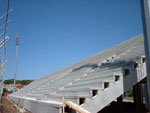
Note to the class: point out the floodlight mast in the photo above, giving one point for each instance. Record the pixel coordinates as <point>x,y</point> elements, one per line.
<point>17,45</point>
<point>145,7</point>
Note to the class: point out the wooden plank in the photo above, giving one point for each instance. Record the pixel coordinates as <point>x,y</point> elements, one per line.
<point>76,107</point>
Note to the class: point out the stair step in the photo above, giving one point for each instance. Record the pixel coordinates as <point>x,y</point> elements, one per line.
<point>73,93</point>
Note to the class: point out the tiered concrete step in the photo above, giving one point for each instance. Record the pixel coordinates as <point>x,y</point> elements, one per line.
<point>94,82</point>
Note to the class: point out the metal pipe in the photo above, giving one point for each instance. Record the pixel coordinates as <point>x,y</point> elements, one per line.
<point>145,8</point>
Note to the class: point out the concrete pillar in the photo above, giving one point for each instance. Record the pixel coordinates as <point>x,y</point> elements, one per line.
<point>137,97</point>
<point>146,96</point>
<point>120,100</point>
<point>141,90</point>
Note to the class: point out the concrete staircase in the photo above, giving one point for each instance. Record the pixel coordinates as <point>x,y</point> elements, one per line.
<point>92,83</point>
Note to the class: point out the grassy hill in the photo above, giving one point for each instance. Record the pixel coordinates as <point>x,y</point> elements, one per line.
<point>23,82</point>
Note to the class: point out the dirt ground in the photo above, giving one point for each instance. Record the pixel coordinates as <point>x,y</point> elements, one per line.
<point>7,107</point>
<point>126,107</point>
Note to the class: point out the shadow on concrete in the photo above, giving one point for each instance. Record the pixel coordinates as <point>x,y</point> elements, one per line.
<point>126,107</point>
<point>85,66</point>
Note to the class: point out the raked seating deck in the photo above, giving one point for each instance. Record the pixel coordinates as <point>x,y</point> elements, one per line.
<point>100,77</point>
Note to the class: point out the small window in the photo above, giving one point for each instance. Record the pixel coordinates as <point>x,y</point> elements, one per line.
<point>143,60</point>
<point>117,77</point>
<point>81,101</point>
<point>94,92</point>
<point>106,85</point>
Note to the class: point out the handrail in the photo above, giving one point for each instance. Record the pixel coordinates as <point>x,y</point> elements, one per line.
<point>75,107</point>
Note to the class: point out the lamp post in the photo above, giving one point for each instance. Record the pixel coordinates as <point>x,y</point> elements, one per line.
<point>17,45</point>
<point>145,6</point>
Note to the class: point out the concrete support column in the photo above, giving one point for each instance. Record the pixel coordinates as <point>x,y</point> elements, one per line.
<point>146,95</point>
<point>141,89</point>
<point>137,97</point>
<point>120,100</point>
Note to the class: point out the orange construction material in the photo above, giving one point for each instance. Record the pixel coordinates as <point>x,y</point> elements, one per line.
<point>5,94</point>
<point>76,107</point>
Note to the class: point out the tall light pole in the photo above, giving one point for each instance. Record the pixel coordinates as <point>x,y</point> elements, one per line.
<point>145,6</point>
<point>17,45</point>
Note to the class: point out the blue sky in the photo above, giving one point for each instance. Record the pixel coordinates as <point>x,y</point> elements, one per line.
<point>56,33</point>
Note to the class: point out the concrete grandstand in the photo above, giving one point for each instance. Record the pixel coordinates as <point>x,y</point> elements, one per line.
<point>90,84</point>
